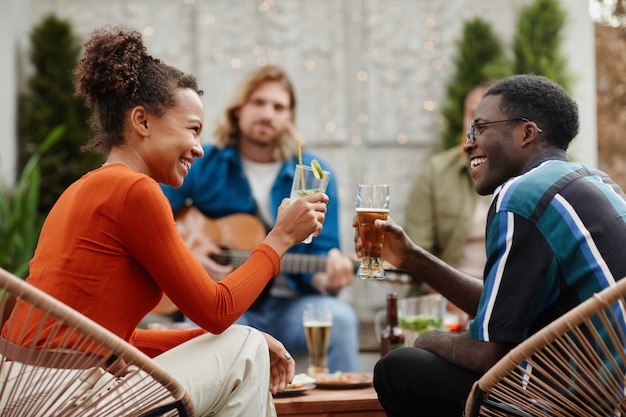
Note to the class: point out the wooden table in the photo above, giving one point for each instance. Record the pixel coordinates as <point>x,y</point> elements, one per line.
<point>361,402</point>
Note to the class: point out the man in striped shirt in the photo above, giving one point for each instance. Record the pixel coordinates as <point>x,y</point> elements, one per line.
<point>556,233</point>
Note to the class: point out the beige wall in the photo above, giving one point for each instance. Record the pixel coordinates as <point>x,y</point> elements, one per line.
<point>8,88</point>
<point>370,75</point>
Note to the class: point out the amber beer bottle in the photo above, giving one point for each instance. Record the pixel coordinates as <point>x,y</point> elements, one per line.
<point>392,336</point>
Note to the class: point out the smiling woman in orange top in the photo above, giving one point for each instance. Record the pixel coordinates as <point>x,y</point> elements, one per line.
<point>110,248</point>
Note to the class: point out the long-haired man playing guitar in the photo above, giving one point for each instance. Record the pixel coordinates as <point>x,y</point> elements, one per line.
<point>250,170</point>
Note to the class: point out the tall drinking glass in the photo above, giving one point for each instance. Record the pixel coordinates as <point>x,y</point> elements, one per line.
<point>372,202</point>
<point>305,182</point>
<point>317,320</point>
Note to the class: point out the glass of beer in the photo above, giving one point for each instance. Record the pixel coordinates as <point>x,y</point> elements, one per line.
<point>317,320</point>
<point>306,182</point>
<point>372,202</point>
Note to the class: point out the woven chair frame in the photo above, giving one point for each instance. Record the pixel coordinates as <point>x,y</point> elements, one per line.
<point>74,366</point>
<point>574,366</point>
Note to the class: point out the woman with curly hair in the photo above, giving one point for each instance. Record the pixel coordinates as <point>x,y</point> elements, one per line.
<point>110,248</point>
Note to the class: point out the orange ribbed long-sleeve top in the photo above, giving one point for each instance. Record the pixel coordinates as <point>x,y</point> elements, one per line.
<point>109,248</point>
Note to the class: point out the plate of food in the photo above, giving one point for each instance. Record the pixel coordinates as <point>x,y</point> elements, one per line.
<point>343,380</point>
<point>300,384</point>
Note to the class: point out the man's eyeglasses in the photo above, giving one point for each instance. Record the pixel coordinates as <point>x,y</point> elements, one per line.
<point>471,136</point>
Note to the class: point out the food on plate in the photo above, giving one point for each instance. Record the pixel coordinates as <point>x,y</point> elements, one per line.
<point>300,380</point>
<point>344,377</point>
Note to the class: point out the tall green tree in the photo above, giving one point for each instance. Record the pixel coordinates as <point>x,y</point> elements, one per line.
<point>538,41</point>
<point>480,57</point>
<point>48,102</point>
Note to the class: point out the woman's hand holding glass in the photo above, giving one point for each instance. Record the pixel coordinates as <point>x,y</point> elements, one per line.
<point>296,221</point>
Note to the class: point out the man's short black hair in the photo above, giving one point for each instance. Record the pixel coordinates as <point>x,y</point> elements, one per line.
<point>543,101</point>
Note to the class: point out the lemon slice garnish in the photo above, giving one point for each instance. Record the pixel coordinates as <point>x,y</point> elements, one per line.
<point>317,169</point>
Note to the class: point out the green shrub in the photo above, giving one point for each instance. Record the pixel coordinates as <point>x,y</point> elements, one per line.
<point>536,49</point>
<point>480,57</point>
<point>20,220</point>
<point>50,101</point>
<point>538,41</point>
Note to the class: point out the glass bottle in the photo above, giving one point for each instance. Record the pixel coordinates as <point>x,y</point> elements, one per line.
<point>392,336</point>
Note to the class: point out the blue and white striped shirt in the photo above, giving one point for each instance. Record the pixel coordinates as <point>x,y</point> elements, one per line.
<point>555,235</point>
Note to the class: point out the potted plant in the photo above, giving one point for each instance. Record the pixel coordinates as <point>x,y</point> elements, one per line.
<point>20,220</point>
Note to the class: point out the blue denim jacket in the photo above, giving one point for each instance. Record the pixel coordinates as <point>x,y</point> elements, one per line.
<point>217,186</point>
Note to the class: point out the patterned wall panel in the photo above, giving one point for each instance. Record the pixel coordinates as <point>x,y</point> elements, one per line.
<point>306,37</point>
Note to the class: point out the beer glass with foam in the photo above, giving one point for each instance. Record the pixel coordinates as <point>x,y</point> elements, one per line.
<point>318,320</point>
<point>372,202</point>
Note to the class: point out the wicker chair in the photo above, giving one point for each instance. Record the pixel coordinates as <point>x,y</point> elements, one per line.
<point>572,367</point>
<point>90,371</point>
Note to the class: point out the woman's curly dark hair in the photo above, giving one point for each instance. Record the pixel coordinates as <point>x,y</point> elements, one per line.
<point>543,101</point>
<point>116,74</point>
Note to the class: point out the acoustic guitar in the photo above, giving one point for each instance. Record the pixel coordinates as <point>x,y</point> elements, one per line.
<point>237,235</point>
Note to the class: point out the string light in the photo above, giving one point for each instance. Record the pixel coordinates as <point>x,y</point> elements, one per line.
<point>407,106</point>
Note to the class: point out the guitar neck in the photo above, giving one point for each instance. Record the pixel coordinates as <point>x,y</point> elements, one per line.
<point>298,263</point>
<point>302,264</point>
<point>291,263</point>
<point>237,234</point>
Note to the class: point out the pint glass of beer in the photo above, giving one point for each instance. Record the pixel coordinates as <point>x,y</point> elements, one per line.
<point>372,202</point>
<point>318,320</point>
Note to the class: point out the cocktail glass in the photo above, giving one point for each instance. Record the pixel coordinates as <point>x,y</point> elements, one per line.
<point>305,182</point>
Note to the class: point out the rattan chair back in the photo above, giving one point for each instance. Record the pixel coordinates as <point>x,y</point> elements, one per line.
<point>573,367</point>
<point>71,366</point>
